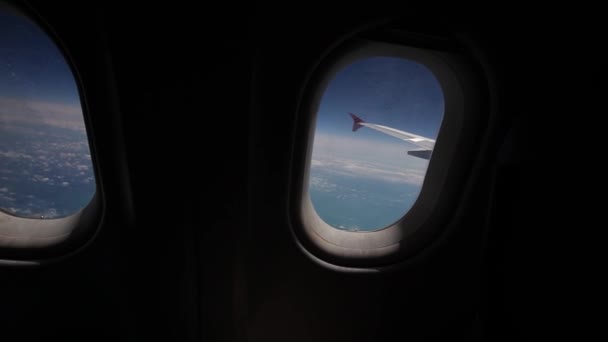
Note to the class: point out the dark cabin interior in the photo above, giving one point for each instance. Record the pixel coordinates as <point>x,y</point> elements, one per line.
<point>192,112</point>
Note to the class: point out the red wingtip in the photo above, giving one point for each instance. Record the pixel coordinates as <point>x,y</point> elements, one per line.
<point>356,122</point>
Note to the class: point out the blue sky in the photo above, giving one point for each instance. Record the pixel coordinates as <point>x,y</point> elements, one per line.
<point>31,66</point>
<point>388,91</point>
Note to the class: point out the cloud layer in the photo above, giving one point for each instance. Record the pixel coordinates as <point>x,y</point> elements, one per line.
<point>18,112</point>
<point>349,156</point>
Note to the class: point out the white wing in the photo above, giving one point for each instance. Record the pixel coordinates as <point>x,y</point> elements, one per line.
<point>426,143</point>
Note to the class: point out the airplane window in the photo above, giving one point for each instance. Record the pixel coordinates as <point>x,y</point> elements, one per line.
<point>376,126</point>
<point>45,161</point>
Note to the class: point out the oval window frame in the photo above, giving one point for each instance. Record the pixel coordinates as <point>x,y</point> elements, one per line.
<point>446,174</point>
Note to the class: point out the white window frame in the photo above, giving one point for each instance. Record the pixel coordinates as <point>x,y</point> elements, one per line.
<point>446,174</point>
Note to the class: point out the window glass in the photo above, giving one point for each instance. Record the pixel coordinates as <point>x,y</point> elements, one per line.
<point>375,131</point>
<point>45,161</point>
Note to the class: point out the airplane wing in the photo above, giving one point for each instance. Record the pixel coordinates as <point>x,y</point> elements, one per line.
<point>425,143</point>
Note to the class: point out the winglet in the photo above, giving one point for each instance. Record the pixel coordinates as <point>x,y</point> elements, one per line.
<point>356,122</point>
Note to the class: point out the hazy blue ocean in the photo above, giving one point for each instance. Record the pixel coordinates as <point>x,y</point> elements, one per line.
<point>359,203</point>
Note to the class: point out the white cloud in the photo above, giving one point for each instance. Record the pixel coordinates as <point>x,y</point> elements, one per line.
<point>346,167</point>
<point>40,178</point>
<point>49,213</point>
<point>15,155</point>
<point>350,156</point>
<point>5,198</point>
<point>321,184</point>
